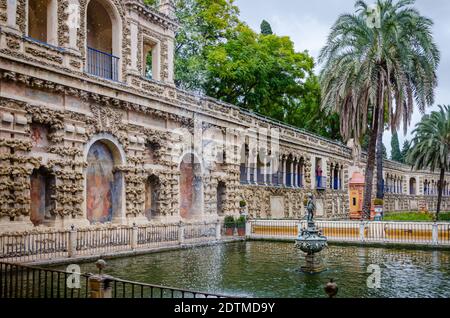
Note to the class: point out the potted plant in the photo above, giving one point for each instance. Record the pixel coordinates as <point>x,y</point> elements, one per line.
<point>229,224</point>
<point>378,209</point>
<point>243,207</point>
<point>240,224</point>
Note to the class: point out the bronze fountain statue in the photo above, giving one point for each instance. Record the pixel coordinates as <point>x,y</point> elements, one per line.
<point>311,241</point>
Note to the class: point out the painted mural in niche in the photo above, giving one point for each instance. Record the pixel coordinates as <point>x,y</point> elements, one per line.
<point>42,192</point>
<point>191,187</point>
<point>104,188</point>
<point>39,137</point>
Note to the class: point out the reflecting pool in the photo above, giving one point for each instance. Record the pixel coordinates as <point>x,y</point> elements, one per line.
<point>263,269</point>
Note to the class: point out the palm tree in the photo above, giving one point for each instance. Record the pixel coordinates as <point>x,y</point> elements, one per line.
<point>368,69</point>
<point>431,146</point>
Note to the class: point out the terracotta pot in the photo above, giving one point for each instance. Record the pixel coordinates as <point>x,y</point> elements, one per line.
<point>241,231</point>
<point>229,231</point>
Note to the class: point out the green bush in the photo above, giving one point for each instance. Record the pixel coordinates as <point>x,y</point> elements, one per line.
<point>378,202</point>
<point>416,217</point>
<point>240,222</point>
<point>242,204</point>
<point>229,222</point>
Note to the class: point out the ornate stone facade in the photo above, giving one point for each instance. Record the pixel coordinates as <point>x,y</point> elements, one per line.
<point>52,112</point>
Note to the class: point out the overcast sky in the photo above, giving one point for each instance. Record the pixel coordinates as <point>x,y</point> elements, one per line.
<point>308,22</point>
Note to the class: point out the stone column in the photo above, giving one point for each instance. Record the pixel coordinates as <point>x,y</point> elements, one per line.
<point>73,23</point>
<point>284,171</point>
<point>294,175</point>
<point>11,11</point>
<point>72,249</point>
<point>134,47</point>
<point>100,286</point>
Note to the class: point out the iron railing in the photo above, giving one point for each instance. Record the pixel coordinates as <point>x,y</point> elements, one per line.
<point>415,233</point>
<point>102,64</point>
<point>20,281</point>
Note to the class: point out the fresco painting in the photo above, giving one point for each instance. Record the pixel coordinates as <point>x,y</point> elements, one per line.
<point>103,191</point>
<point>39,137</point>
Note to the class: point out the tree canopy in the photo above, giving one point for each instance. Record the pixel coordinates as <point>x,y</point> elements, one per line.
<point>266,28</point>
<point>396,154</point>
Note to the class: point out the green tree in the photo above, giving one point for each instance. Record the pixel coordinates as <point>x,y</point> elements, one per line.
<point>405,149</point>
<point>396,154</point>
<point>370,67</point>
<point>266,29</point>
<point>203,24</point>
<point>431,146</point>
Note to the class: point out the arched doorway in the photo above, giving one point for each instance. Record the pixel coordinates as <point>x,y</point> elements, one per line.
<point>152,192</point>
<point>42,193</point>
<point>191,187</point>
<point>103,39</point>
<point>104,184</point>
<point>412,186</point>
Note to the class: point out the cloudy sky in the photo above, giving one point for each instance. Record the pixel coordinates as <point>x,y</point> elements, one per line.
<point>308,22</point>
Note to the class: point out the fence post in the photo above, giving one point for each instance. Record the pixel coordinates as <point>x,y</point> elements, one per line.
<point>248,229</point>
<point>181,233</point>
<point>100,285</point>
<point>435,234</point>
<point>134,237</point>
<point>218,230</point>
<point>362,231</point>
<point>72,248</point>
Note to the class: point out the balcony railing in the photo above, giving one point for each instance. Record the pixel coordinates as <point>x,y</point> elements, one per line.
<point>102,64</point>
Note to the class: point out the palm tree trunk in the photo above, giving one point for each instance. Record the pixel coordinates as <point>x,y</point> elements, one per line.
<point>440,190</point>
<point>380,190</point>
<point>367,203</point>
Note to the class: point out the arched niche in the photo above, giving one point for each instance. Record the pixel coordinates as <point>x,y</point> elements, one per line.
<point>42,192</point>
<point>104,191</point>
<point>103,39</point>
<point>152,197</point>
<point>191,187</point>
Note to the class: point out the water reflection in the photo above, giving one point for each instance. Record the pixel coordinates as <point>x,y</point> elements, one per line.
<point>262,269</point>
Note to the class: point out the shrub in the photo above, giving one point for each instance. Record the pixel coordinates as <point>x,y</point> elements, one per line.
<point>242,204</point>
<point>240,222</point>
<point>378,202</point>
<point>229,222</point>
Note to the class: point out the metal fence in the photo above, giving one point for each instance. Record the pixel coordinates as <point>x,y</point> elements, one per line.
<point>20,281</point>
<point>51,244</point>
<point>419,233</point>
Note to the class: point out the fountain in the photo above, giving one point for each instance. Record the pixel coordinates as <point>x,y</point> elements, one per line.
<point>311,241</point>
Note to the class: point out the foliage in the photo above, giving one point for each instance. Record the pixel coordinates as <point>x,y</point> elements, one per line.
<point>369,69</point>
<point>365,145</point>
<point>431,146</point>
<point>378,202</point>
<point>405,150</point>
<point>229,222</point>
<point>242,204</point>
<point>240,222</point>
<point>415,217</point>
<point>396,154</point>
<point>204,24</point>
<point>266,28</point>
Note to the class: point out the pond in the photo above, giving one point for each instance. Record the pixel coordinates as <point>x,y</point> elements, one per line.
<point>266,269</point>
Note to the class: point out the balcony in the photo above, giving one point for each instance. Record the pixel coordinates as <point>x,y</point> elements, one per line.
<point>102,64</point>
<point>321,183</point>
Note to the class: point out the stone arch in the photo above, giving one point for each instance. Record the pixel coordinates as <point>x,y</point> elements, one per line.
<point>152,197</point>
<point>103,39</point>
<point>42,192</point>
<point>104,189</point>
<point>191,186</point>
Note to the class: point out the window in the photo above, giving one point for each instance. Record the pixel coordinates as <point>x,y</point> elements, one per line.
<point>42,17</point>
<point>151,59</point>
